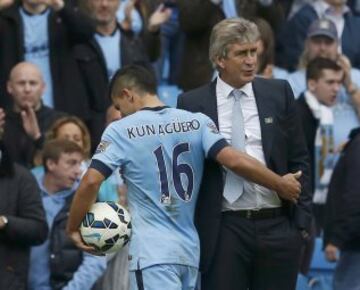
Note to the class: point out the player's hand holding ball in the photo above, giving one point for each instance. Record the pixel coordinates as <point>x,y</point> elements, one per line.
<point>105,229</point>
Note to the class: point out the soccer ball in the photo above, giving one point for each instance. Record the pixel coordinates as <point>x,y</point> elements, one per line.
<point>106,227</point>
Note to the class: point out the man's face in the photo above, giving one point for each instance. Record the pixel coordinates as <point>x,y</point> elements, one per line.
<point>66,170</point>
<point>26,87</point>
<point>239,66</point>
<point>72,132</point>
<point>326,88</point>
<point>104,11</point>
<point>322,46</point>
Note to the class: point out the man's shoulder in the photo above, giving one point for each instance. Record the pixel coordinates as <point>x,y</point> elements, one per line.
<point>188,114</point>
<point>10,12</point>
<point>24,174</point>
<point>259,82</point>
<point>197,92</point>
<point>307,11</point>
<point>351,19</point>
<point>301,104</point>
<point>354,139</point>
<point>301,100</point>
<point>87,50</point>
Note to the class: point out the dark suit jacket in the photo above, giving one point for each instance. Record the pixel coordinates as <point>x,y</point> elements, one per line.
<point>342,209</point>
<point>284,149</point>
<point>310,125</point>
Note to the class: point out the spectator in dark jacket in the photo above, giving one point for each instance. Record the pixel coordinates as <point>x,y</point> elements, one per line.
<point>111,48</point>
<point>45,34</point>
<point>28,119</point>
<point>22,221</point>
<point>324,77</point>
<point>342,231</point>
<point>58,263</point>
<point>197,18</point>
<point>292,37</point>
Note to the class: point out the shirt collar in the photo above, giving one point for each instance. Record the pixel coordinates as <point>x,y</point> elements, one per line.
<point>322,8</point>
<point>60,194</point>
<point>226,89</point>
<point>223,88</point>
<point>115,33</point>
<point>25,12</point>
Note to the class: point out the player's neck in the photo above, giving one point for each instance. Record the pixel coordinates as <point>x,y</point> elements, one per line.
<point>151,101</point>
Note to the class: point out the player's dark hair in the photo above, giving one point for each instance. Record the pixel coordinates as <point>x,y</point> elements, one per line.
<point>315,68</point>
<point>133,77</point>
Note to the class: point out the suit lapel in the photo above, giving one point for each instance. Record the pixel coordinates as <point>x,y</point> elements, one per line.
<point>266,115</point>
<point>209,103</point>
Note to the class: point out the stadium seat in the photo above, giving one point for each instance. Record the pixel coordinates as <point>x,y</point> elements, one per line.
<point>168,94</point>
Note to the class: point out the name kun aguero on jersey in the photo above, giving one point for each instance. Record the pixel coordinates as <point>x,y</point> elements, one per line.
<point>162,129</point>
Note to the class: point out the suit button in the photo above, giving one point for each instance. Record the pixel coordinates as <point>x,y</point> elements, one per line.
<point>52,256</point>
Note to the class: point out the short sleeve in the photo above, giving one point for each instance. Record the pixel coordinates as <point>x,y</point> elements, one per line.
<point>109,154</point>
<point>213,142</point>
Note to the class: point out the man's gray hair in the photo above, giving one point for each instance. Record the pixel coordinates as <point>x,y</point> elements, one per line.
<point>229,31</point>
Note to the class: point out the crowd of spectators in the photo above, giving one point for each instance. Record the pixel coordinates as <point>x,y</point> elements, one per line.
<point>57,58</point>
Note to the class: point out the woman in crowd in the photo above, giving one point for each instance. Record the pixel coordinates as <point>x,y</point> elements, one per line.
<point>73,129</point>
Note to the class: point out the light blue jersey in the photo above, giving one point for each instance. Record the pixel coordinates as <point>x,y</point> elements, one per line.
<point>161,152</point>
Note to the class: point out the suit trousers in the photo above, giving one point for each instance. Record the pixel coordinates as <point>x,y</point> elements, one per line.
<point>255,254</point>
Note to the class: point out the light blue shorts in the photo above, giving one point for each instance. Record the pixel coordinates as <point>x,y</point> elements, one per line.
<point>164,276</point>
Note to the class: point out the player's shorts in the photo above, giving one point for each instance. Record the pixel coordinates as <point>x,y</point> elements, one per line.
<point>164,276</point>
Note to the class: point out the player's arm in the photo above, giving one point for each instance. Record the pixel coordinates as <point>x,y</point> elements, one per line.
<point>248,167</point>
<point>84,198</point>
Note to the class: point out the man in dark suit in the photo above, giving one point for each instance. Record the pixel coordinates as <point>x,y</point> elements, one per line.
<point>250,237</point>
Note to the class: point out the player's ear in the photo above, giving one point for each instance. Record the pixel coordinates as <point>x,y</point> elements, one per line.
<point>127,94</point>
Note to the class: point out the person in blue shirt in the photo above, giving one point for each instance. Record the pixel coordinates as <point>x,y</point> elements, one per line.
<point>161,151</point>
<point>57,263</point>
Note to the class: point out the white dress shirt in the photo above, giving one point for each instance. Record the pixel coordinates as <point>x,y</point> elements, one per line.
<point>254,195</point>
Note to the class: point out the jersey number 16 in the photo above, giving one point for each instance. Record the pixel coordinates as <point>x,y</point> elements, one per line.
<point>177,170</point>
